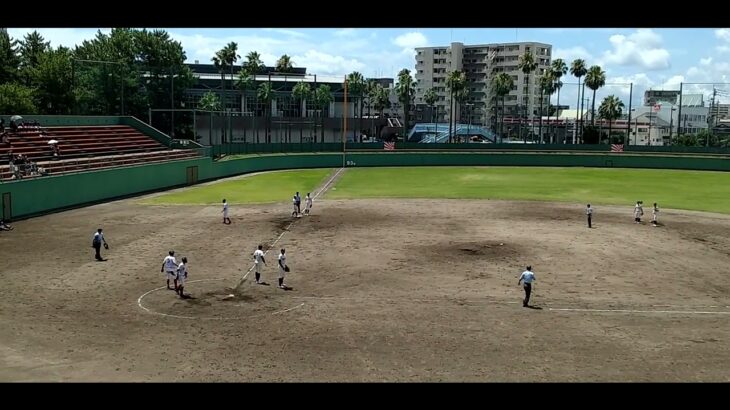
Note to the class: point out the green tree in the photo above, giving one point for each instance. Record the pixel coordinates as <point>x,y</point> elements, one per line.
<point>284,64</point>
<point>224,60</point>
<point>430,97</point>
<point>356,86</point>
<point>502,84</point>
<point>405,89</point>
<point>265,95</point>
<point>559,69</point>
<point>17,99</point>
<point>547,86</point>
<point>302,91</point>
<point>611,109</point>
<point>144,67</point>
<point>210,102</point>
<point>53,81</point>
<point>578,69</point>
<point>455,82</point>
<point>9,60</point>
<point>245,81</point>
<point>527,64</point>
<point>31,49</point>
<point>595,79</point>
<point>322,98</point>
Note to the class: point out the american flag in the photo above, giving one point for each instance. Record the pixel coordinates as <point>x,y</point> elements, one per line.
<point>617,147</point>
<point>389,146</point>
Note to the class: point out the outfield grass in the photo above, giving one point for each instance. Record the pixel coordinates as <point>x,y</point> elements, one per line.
<point>262,188</point>
<point>693,190</point>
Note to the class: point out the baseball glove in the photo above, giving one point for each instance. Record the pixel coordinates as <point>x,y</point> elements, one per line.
<point>106,246</point>
<point>286,269</point>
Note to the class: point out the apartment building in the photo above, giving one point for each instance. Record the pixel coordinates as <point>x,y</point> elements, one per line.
<point>480,63</point>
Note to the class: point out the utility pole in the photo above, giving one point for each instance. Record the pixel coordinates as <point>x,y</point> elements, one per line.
<point>712,115</point>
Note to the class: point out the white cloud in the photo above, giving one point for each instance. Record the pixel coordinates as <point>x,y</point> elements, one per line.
<point>673,82</point>
<point>706,61</point>
<point>318,62</point>
<point>411,40</point>
<point>723,34</point>
<point>345,32</point>
<point>642,48</point>
<point>290,33</point>
<point>722,49</point>
<point>570,54</point>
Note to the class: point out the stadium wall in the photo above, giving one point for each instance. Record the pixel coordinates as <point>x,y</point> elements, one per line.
<point>37,196</point>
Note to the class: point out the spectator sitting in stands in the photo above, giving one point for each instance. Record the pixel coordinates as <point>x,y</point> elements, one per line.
<point>2,124</point>
<point>42,171</point>
<point>5,137</point>
<point>56,151</point>
<point>13,127</point>
<point>11,157</point>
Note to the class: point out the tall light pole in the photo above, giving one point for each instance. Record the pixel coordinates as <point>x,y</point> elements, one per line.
<point>671,122</point>
<point>636,127</point>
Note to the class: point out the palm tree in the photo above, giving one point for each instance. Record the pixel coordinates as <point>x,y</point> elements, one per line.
<point>527,65</point>
<point>231,57</point>
<point>611,109</point>
<point>322,98</point>
<point>253,66</point>
<point>284,64</point>
<point>381,100</point>
<point>265,94</point>
<point>502,84</point>
<point>578,69</point>
<point>595,79</point>
<point>559,69</point>
<point>244,82</point>
<point>455,82</point>
<point>430,98</point>
<point>301,91</point>
<point>547,86</point>
<point>356,87</point>
<point>370,91</point>
<point>220,61</point>
<point>405,89</point>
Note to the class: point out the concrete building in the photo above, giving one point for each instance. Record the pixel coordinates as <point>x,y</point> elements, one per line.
<point>720,112</point>
<point>480,63</point>
<point>663,121</point>
<point>291,120</point>
<point>652,97</point>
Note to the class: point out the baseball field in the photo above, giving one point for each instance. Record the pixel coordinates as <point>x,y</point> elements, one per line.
<point>399,274</point>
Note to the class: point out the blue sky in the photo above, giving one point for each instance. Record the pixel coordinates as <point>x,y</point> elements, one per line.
<point>648,58</point>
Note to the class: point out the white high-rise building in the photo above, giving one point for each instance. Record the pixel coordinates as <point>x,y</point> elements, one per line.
<point>480,63</point>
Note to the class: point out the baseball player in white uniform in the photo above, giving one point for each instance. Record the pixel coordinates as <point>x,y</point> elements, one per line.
<point>307,204</point>
<point>259,261</point>
<point>226,219</point>
<point>283,268</point>
<point>295,213</point>
<point>169,267</point>
<point>182,276</point>
<point>654,215</point>
<point>638,212</point>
